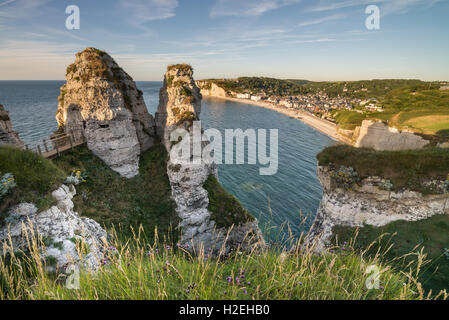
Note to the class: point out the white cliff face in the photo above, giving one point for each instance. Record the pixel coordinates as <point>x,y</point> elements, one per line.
<point>368,204</point>
<point>60,227</point>
<point>101,101</point>
<point>381,137</point>
<point>7,133</point>
<point>180,105</point>
<point>211,89</point>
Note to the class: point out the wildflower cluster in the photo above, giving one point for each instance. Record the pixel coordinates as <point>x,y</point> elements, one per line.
<point>240,281</point>
<point>344,177</point>
<point>7,183</point>
<point>386,185</point>
<point>76,177</point>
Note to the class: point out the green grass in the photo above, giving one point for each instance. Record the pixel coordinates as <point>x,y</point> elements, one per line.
<point>225,209</point>
<point>36,178</point>
<point>349,120</point>
<point>138,269</point>
<point>430,234</point>
<point>111,199</point>
<point>405,169</point>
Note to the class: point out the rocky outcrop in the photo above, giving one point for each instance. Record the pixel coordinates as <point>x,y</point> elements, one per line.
<point>369,202</point>
<point>179,107</point>
<point>62,231</point>
<point>101,101</point>
<point>7,133</point>
<point>379,136</point>
<point>210,89</point>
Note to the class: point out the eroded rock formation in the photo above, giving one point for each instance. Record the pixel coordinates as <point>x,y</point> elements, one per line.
<point>209,88</point>
<point>381,137</point>
<point>368,202</point>
<point>61,228</point>
<point>7,133</point>
<point>179,107</point>
<point>101,101</point>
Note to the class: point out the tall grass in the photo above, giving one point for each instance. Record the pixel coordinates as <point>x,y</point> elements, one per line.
<point>138,269</point>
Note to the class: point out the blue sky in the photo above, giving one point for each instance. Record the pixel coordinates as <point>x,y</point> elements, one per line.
<point>301,39</point>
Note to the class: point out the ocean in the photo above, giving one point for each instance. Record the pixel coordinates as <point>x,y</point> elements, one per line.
<point>284,203</point>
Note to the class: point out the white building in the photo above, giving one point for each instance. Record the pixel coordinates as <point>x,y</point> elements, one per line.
<point>243,96</point>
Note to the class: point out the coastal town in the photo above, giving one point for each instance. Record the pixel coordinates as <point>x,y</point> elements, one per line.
<point>317,104</point>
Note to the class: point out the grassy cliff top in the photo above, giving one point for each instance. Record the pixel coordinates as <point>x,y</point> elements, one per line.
<point>406,169</point>
<point>35,176</point>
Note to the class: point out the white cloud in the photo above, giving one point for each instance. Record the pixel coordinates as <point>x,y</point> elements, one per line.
<point>387,6</point>
<point>247,7</point>
<point>149,10</point>
<point>321,20</point>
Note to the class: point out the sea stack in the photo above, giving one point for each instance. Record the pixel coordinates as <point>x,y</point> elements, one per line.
<point>101,101</point>
<point>7,133</point>
<point>179,108</point>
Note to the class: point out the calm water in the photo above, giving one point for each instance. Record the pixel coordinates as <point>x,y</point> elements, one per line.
<point>278,201</point>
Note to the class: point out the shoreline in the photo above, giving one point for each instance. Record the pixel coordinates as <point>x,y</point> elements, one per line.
<point>326,127</point>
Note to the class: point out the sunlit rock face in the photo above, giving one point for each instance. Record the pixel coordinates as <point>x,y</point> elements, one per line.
<point>7,133</point>
<point>179,108</point>
<point>101,101</point>
<point>368,203</point>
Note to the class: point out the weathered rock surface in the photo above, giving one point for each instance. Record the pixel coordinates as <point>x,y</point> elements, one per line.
<point>368,204</point>
<point>179,106</point>
<point>60,227</point>
<point>211,89</point>
<point>381,137</point>
<point>101,101</point>
<point>7,133</point>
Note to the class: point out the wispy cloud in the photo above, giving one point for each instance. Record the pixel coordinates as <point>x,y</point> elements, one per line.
<point>6,2</point>
<point>321,20</point>
<point>387,6</point>
<point>148,10</point>
<point>247,7</point>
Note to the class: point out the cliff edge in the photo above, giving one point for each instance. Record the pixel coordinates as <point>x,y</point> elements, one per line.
<point>365,187</point>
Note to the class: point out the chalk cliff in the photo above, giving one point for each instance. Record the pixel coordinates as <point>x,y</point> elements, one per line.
<point>101,101</point>
<point>370,202</point>
<point>210,89</point>
<point>61,229</point>
<point>7,133</point>
<point>179,107</point>
<point>381,137</point>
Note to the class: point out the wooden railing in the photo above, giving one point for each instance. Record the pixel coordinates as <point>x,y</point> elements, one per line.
<point>58,144</point>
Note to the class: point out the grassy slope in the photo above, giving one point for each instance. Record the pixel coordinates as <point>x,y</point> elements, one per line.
<point>36,178</point>
<point>141,270</point>
<point>226,209</point>
<point>112,200</point>
<point>430,234</point>
<point>405,169</point>
<point>423,111</point>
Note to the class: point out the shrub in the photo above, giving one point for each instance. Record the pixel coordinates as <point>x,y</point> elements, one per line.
<point>7,183</point>
<point>344,177</point>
